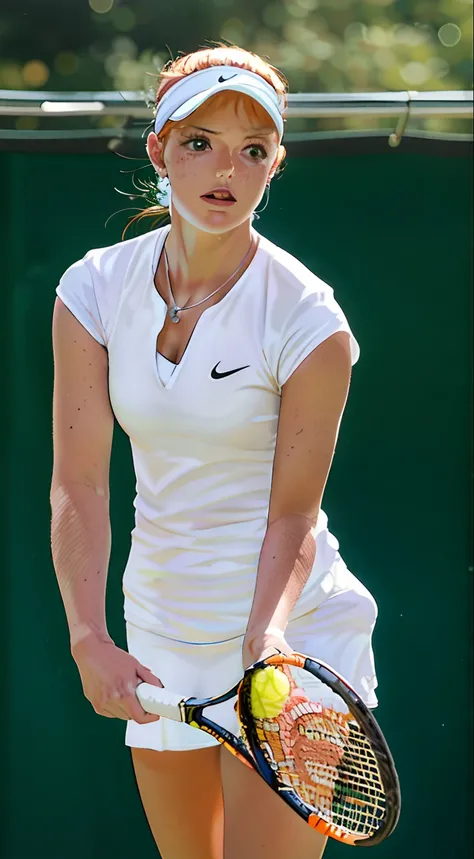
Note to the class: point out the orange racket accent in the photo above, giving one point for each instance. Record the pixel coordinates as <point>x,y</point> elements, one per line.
<point>331,831</point>
<point>228,746</point>
<point>295,659</point>
<point>238,755</point>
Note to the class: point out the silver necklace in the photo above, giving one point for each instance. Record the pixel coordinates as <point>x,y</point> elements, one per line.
<point>174,309</point>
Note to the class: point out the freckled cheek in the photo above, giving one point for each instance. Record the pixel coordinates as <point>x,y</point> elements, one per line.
<point>251,181</point>
<point>185,170</point>
<point>248,179</point>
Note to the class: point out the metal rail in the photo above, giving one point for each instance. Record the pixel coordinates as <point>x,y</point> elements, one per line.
<point>453,104</point>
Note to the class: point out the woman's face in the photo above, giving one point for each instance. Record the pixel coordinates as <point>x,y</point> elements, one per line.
<point>224,148</point>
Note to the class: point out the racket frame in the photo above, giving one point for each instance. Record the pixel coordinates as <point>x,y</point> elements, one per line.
<point>192,713</point>
<point>363,716</point>
<point>248,750</point>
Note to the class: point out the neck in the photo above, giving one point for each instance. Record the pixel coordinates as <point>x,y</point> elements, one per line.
<point>198,260</point>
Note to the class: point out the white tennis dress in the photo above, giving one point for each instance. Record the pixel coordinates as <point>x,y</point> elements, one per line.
<point>203,436</point>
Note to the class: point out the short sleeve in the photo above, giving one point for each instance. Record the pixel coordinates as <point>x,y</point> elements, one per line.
<point>76,290</point>
<point>303,316</point>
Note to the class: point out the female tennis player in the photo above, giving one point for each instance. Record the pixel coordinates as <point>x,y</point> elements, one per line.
<point>227,362</point>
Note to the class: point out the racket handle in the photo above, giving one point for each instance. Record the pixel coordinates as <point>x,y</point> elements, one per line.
<point>160,702</point>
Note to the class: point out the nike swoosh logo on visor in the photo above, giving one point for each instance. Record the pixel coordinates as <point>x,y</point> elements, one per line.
<point>216,375</point>
<point>222,80</point>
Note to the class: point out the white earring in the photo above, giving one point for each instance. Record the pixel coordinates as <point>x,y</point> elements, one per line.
<point>163,191</point>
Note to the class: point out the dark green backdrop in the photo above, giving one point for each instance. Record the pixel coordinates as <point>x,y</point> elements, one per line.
<point>390,230</point>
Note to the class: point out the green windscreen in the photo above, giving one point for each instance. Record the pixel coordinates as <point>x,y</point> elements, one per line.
<point>390,231</point>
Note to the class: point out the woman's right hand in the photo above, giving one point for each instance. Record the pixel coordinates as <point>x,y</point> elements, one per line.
<point>110,677</point>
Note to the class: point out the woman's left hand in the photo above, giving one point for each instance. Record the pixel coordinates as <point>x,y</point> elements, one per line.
<point>259,646</point>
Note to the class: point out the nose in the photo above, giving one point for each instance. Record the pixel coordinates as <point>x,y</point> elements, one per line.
<point>225,166</point>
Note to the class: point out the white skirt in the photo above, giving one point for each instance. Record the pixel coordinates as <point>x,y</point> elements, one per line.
<point>339,632</point>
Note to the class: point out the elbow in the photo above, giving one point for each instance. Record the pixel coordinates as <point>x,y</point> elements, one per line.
<point>66,489</point>
<point>294,520</point>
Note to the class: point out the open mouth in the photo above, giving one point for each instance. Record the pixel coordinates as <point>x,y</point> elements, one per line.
<point>222,195</point>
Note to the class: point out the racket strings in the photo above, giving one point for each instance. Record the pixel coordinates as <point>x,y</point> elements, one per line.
<point>324,756</point>
<point>360,802</point>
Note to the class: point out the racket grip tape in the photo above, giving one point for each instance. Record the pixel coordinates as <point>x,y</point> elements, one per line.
<point>160,702</point>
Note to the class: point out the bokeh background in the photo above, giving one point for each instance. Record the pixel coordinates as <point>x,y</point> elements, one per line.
<point>321,45</point>
<point>391,230</point>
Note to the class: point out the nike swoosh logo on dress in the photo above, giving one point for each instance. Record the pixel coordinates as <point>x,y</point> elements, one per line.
<point>216,375</point>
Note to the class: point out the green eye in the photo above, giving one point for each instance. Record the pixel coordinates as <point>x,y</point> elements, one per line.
<point>257,152</point>
<point>196,144</point>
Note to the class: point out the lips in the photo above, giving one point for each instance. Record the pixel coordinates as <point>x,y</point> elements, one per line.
<point>224,195</point>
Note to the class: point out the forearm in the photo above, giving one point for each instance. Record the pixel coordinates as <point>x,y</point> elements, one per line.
<point>80,544</point>
<point>286,561</point>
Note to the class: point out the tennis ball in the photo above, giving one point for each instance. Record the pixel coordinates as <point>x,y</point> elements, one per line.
<point>268,693</point>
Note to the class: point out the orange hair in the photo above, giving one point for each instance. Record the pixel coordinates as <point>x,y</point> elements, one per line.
<point>222,54</point>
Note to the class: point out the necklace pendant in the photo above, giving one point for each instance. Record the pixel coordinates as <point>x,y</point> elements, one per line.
<point>173,313</point>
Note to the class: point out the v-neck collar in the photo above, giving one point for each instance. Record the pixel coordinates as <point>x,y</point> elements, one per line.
<point>162,307</point>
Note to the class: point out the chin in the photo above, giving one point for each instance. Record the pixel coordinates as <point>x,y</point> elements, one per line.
<point>210,221</point>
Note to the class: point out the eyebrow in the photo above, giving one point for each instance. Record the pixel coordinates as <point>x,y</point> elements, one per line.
<point>263,132</point>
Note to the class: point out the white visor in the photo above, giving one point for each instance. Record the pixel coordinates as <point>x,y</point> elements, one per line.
<point>193,90</point>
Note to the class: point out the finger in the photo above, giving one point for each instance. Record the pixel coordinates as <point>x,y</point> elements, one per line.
<point>279,646</point>
<point>148,718</point>
<point>137,713</point>
<point>271,650</point>
<point>126,705</point>
<point>127,712</point>
<point>147,676</point>
<point>132,705</point>
<point>112,714</point>
<point>112,706</point>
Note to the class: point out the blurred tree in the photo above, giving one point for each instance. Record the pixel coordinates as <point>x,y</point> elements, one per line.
<point>321,45</point>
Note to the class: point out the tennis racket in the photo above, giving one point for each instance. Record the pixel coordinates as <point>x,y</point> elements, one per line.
<point>323,753</point>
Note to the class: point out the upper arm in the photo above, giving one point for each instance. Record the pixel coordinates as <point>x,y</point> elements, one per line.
<point>312,404</point>
<point>82,415</point>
